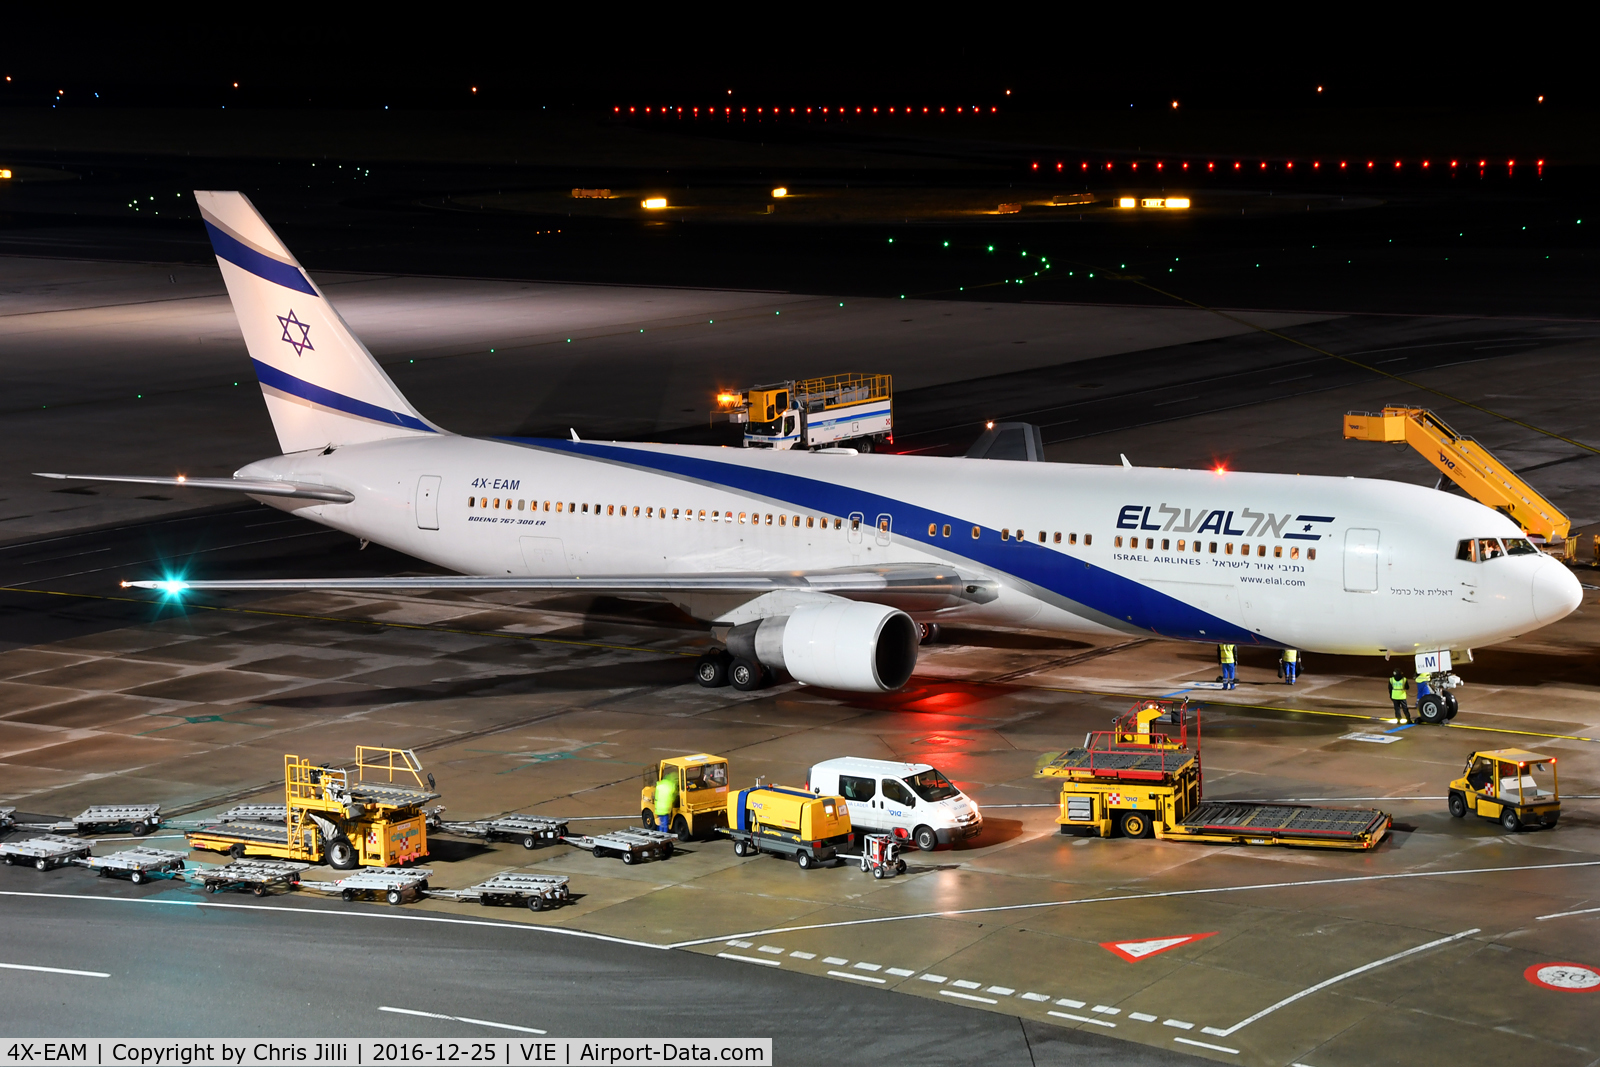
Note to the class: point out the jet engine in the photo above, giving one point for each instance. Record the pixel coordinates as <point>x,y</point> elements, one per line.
<point>845,645</point>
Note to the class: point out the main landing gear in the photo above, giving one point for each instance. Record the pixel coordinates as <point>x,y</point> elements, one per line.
<point>718,668</point>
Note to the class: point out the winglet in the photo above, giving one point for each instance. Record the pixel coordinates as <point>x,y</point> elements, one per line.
<point>573,432</point>
<point>1125,462</point>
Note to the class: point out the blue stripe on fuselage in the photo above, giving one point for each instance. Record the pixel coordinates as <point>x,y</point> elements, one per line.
<point>1075,579</point>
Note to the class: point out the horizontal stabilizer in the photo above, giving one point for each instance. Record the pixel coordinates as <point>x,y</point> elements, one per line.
<point>253,486</point>
<point>889,583</point>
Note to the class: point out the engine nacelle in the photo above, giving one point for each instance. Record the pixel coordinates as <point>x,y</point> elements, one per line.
<point>868,648</point>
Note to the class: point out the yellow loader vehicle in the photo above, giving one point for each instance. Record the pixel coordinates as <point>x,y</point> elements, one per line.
<point>1504,784</point>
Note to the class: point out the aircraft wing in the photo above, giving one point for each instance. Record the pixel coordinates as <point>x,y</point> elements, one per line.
<point>926,587</point>
<point>253,486</point>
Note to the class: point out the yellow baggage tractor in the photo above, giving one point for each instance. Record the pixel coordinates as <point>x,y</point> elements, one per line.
<point>360,817</point>
<point>789,822</point>
<point>1504,784</point>
<point>702,804</point>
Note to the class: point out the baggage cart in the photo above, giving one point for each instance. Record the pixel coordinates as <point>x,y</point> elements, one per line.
<point>254,876</point>
<point>138,865</point>
<point>273,813</point>
<point>397,885</point>
<point>45,851</point>
<point>137,819</point>
<point>537,891</point>
<point>632,845</point>
<point>531,830</point>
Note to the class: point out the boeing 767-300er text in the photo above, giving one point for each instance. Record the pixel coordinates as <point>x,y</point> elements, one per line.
<point>831,565</point>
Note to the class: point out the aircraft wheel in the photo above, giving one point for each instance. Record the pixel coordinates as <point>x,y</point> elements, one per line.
<point>929,632</point>
<point>1450,706</point>
<point>1458,806</point>
<point>746,676</point>
<point>1431,709</point>
<point>712,669</point>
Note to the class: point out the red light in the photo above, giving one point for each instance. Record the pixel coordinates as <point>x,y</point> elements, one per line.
<point>1158,166</point>
<point>1136,166</point>
<point>1290,164</point>
<point>1036,166</point>
<point>1511,162</point>
<point>924,111</point>
<point>1058,166</point>
<point>941,111</point>
<point>1452,162</point>
<point>1086,166</point>
<point>616,109</point>
<point>1219,469</point>
<point>1397,162</point>
<point>1185,164</point>
<point>742,110</point>
<point>1424,164</point>
<point>1263,166</point>
<point>1211,166</point>
<point>1316,164</point>
<point>631,110</point>
<point>1236,166</point>
<point>1480,162</point>
<point>874,111</point>
<point>992,110</point>
<point>1369,164</point>
<point>1541,163</point>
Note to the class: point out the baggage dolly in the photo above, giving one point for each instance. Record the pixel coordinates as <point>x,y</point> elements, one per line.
<point>45,852</point>
<point>880,855</point>
<point>137,864</point>
<point>256,876</point>
<point>531,830</point>
<point>632,845</point>
<point>397,885</point>
<point>537,891</point>
<point>139,819</point>
<point>7,822</point>
<point>270,813</point>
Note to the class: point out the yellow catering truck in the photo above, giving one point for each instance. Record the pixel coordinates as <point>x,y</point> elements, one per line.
<point>1505,784</point>
<point>788,822</point>
<point>701,806</point>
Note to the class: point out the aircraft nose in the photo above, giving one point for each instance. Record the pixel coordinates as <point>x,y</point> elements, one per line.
<point>1556,592</point>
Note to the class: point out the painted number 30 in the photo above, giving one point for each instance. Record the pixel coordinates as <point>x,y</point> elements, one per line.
<point>1568,977</point>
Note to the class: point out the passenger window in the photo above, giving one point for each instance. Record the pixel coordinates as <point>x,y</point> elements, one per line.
<point>1149,542</point>
<point>558,506</point>
<point>796,523</point>
<point>471,500</point>
<point>883,525</point>
<point>855,524</point>
<point>838,524</point>
<point>1165,545</point>
<point>933,529</point>
<point>769,520</point>
<point>547,505</point>
<point>1261,550</point>
<point>895,790</point>
<point>1005,535</point>
<point>1088,539</point>
<point>674,512</point>
<point>1311,553</point>
<point>852,788</point>
<point>522,505</point>
<point>1058,537</point>
<point>571,507</point>
<point>1072,539</point>
<point>636,511</point>
<point>741,518</point>
<point>1228,549</point>
<point>975,532</point>
<point>611,509</point>
<point>811,521</point>
<point>946,529</point>
<point>1118,542</point>
<point>703,515</point>
<point>1180,546</point>
<point>1213,548</point>
<point>1277,551</point>
<point>1294,551</point>
<point>1041,537</point>
<point>781,519</point>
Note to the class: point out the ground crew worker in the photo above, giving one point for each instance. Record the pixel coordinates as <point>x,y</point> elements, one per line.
<point>1290,660</point>
<point>1423,678</point>
<point>1397,693</point>
<point>1227,654</point>
<point>666,797</point>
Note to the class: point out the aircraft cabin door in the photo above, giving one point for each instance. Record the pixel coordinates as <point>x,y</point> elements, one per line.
<point>1361,561</point>
<point>428,502</point>
<point>885,522</point>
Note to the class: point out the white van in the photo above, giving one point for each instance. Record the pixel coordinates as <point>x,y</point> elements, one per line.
<point>912,799</point>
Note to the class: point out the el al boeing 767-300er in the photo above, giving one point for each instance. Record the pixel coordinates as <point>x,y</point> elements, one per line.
<point>832,565</point>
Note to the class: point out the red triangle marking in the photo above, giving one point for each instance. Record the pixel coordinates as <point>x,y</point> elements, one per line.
<point>1134,951</point>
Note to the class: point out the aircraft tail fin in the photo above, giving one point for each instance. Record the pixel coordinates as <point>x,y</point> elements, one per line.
<point>321,385</point>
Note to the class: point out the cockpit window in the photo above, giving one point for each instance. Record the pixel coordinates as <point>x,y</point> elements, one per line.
<point>1483,549</point>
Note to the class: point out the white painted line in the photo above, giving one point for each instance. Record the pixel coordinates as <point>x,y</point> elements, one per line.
<point>1141,1017</point>
<point>1068,1002</point>
<point>1325,983</point>
<point>1035,996</point>
<point>1179,1023</point>
<point>1308,883</point>
<point>803,955</point>
<point>1565,914</point>
<point>54,970</point>
<point>1000,990</point>
<point>1213,1031</point>
<point>837,961</point>
<point>1204,1044</point>
<point>1081,1019</point>
<point>748,959</point>
<point>859,977</point>
<point>900,972</point>
<point>962,983</point>
<point>774,949</point>
<point>1105,1010</point>
<point>938,979</point>
<point>967,996</point>
<point>869,966</point>
<point>740,944</point>
<point>461,1019</point>
<point>390,914</point>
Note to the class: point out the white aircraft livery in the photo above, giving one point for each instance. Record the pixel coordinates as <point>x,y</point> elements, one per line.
<point>832,565</point>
